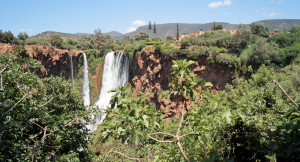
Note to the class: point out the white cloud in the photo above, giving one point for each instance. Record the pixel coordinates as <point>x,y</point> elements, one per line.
<point>21,30</point>
<point>217,4</point>
<point>227,2</point>
<point>131,29</point>
<point>273,14</point>
<point>280,2</point>
<point>261,9</point>
<point>139,23</point>
<point>226,13</point>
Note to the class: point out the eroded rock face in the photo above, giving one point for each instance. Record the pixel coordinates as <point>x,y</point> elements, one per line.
<point>144,64</point>
<point>56,62</point>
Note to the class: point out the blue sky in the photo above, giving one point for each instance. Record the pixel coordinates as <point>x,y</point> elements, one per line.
<point>36,16</point>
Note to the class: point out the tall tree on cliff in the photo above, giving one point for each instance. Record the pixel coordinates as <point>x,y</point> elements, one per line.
<point>149,27</point>
<point>154,30</point>
<point>100,39</point>
<point>214,25</point>
<point>177,36</point>
<point>56,40</point>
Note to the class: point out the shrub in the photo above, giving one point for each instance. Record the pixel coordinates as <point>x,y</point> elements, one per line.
<point>149,43</point>
<point>132,49</point>
<point>170,51</point>
<point>185,42</point>
<point>115,47</point>
<point>284,40</point>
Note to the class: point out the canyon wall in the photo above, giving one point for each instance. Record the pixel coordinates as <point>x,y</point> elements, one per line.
<point>151,73</point>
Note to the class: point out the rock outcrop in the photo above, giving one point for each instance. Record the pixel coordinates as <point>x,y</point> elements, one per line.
<point>152,72</point>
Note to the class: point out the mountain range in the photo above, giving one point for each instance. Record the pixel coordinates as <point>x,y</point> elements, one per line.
<point>163,30</point>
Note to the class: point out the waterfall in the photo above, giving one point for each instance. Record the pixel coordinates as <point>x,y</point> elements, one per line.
<point>72,71</point>
<point>115,74</point>
<point>86,87</point>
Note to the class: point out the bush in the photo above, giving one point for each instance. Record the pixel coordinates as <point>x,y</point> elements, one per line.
<point>130,50</point>
<point>185,42</point>
<point>170,51</point>
<point>149,43</point>
<point>284,40</point>
<point>115,47</point>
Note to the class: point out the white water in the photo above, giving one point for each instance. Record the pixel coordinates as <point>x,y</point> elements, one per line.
<point>115,74</point>
<point>72,71</point>
<point>86,87</point>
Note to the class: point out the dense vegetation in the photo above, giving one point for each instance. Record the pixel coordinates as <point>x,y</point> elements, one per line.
<point>256,118</point>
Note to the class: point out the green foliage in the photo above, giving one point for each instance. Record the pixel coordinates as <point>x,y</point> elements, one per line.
<point>169,51</point>
<point>258,28</point>
<point>169,38</point>
<point>130,50</point>
<point>8,37</point>
<point>56,41</point>
<point>23,36</point>
<point>115,47</point>
<point>185,42</point>
<point>287,55</point>
<point>141,36</point>
<point>284,40</point>
<point>40,120</point>
<point>217,27</point>
<point>242,37</point>
<point>295,29</point>
<point>253,39</point>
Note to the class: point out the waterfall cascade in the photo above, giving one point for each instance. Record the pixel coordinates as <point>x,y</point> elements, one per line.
<point>72,71</point>
<point>115,74</point>
<point>86,86</point>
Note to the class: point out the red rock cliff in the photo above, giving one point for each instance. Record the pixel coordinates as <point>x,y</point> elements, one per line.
<point>145,62</point>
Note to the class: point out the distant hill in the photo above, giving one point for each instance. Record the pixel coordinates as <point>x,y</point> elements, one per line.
<point>115,34</point>
<point>87,34</point>
<point>163,30</point>
<point>281,23</point>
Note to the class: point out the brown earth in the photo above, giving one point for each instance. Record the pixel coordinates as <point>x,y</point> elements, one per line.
<point>145,62</point>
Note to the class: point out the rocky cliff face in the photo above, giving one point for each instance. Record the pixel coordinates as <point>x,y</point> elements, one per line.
<point>56,62</point>
<point>152,72</point>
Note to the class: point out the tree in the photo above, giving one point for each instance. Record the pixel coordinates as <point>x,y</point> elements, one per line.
<point>7,37</point>
<point>39,120</point>
<point>101,40</point>
<point>258,28</point>
<point>295,29</point>
<point>23,36</point>
<point>177,35</point>
<point>56,41</point>
<point>242,37</point>
<point>219,27</point>
<point>214,25</point>
<point>185,42</point>
<point>201,29</point>
<point>137,119</point>
<point>284,40</point>
<point>141,36</point>
<point>170,38</point>
<point>149,27</point>
<point>154,30</point>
